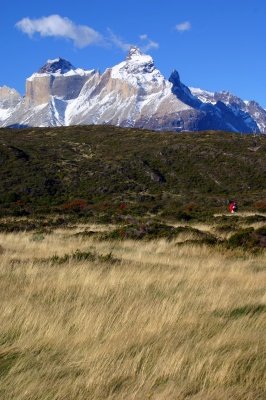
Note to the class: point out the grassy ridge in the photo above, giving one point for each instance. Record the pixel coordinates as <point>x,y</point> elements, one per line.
<point>45,169</point>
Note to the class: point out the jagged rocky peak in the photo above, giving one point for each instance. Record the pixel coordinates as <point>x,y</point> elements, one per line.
<point>135,53</point>
<point>175,78</point>
<point>8,97</point>
<point>182,92</point>
<point>139,61</point>
<point>229,98</point>
<point>58,78</point>
<point>225,96</point>
<point>138,70</point>
<point>6,91</point>
<point>58,65</point>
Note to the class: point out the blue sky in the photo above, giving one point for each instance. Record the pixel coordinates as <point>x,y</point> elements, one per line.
<point>213,44</point>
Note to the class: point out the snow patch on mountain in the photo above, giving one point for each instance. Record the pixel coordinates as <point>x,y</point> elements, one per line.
<point>5,113</point>
<point>250,112</point>
<point>203,95</point>
<point>9,99</point>
<point>138,70</point>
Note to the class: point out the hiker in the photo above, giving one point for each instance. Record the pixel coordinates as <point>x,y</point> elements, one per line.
<point>233,206</point>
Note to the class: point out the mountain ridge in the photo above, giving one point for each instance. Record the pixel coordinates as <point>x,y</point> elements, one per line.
<point>133,93</point>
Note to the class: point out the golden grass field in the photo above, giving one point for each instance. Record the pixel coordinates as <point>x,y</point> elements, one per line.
<point>152,321</point>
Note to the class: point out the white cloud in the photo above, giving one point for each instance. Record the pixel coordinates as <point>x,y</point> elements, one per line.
<point>143,37</point>
<point>60,27</point>
<point>121,44</point>
<point>183,26</point>
<point>81,35</point>
<point>150,44</point>
<point>118,42</point>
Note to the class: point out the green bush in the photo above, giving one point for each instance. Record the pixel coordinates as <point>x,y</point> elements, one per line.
<point>226,228</point>
<point>83,256</point>
<point>183,216</point>
<point>261,231</point>
<point>248,238</point>
<point>155,230</point>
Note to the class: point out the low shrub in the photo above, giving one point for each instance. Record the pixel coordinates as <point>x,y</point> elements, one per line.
<point>260,205</point>
<point>75,205</point>
<point>248,238</point>
<point>85,233</point>
<point>261,231</point>
<point>242,238</point>
<point>37,237</point>
<point>183,216</point>
<point>226,228</point>
<point>155,230</point>
<point>83,256</point>
<point>249,310</point>
<point>250,219</point>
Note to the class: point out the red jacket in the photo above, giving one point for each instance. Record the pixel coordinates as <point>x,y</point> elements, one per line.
<point>232,207</point>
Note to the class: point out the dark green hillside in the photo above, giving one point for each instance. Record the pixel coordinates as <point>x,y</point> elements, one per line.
<point>93,169</point>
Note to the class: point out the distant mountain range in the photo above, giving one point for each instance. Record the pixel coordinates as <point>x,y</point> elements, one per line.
<point>133,93</point>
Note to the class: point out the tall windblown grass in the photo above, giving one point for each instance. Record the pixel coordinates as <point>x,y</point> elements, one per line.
<point>151,320</point>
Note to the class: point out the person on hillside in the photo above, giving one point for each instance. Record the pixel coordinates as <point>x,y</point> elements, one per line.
<point>233,206</point>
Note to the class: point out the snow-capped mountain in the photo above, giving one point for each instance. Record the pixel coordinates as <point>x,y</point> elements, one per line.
<point>47,94</point>
<point>133,93</point>
<point>252,114</point>
<point>9,99</point>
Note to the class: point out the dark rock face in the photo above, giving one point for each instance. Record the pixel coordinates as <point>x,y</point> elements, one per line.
<point>67,87</point>
<point>225,111</point>
<point>57,65</point>
<point>237,118</point>
<point>182,92</point>
<point>226,114</point>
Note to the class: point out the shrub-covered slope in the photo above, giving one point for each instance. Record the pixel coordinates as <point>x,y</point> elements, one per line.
<point>99,168</point>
